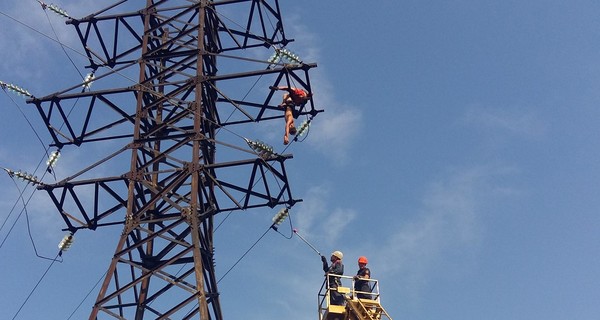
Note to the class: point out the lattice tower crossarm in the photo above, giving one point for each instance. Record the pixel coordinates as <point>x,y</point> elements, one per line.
<point>166,100</point>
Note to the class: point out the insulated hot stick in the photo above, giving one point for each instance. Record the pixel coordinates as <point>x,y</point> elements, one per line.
<point>310,245</point>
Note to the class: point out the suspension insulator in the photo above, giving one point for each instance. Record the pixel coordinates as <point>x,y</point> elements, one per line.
<point>303,128</point>
<point>88,80</point>
<point>280,217</point>
<point>66,242</point>
<point>53,158</point>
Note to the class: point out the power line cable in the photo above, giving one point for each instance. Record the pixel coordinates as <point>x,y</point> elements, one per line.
<point>209,120</point>
<point>28,224</point>
<point>36,285</point>
<point>16,220</point>
<point>36,31</point>
<point>99,60</point>
<point>58,39</point>
<point>21,192</point>
<point>14,223</point>
<point>117,71</point>
<point>26,119</point>
<point>272,226</point>
<point>244,255</point>
<point>63,47</point>
<point>32,127</point>
<point>87,295</point>
<point>238,261</point>
<point>249,249</point>
<point>24,206</point>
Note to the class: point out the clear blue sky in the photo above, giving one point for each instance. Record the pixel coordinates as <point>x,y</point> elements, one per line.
<point>459,151</point>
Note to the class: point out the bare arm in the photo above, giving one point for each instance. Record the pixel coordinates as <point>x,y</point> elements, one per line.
<point>288,89</point>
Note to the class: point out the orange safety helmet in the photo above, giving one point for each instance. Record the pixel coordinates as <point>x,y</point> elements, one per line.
<point>363,259</point>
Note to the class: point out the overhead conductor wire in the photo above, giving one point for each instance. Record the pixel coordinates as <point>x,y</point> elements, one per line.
<point>39,164</point>
<point>227,216</point>
<point>24,210</point>
<point>63,47</point>
<point>262,236</point>
<point>35,132</point>
<point>36,285</point>
<point>28,224</point>
<point>21,192</point>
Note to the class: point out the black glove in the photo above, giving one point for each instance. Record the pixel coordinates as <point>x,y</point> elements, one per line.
<point>323,259</point>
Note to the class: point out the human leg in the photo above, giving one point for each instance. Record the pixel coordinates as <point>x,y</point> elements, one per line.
<point>289,125</point>
<point>286,101</point>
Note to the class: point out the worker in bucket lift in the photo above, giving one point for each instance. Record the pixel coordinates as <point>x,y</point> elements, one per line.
<point>336,268</point>
<point>361,283</point>
<point>292,98</point>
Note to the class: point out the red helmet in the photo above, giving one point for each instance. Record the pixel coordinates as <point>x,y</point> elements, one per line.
<point>363,259</point>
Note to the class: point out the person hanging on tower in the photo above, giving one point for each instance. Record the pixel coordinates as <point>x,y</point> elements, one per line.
<point>291,99</point>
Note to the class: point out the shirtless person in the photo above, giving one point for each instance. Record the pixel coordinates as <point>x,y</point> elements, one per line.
<point>292,98</point>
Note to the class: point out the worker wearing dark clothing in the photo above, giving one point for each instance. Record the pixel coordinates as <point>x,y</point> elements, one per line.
<point>361,284</point>
<point>336,268</point>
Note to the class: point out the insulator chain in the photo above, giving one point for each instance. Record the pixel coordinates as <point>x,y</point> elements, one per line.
<point>284,55</point>
<point>280,217</point>
<point>263,150</point>
<point>88,80</point>
<point>16,89</point>
<point>303,128</point>
<point>23,176</point>
<point>66,242</point>
<point>54,8</point>
<point>53,158</point>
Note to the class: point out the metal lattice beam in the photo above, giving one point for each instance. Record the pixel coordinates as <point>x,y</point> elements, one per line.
<point>160,95</point>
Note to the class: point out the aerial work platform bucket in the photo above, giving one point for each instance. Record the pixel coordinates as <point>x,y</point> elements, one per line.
<point>352,307</point>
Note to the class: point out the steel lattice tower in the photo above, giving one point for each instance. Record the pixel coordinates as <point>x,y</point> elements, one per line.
<point>159,99</point>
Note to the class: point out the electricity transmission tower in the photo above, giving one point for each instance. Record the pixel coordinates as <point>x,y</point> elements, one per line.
<point>167,81</point>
